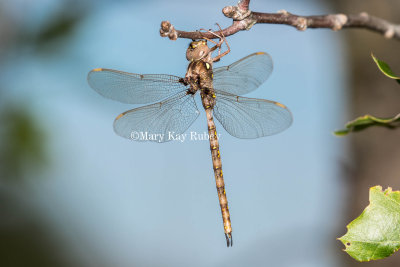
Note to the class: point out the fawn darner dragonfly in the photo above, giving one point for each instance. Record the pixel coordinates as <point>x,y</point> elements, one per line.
<point>219,89</point>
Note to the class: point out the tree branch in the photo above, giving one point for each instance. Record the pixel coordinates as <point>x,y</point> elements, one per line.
<point>244,19</point>
<point>243,4</point>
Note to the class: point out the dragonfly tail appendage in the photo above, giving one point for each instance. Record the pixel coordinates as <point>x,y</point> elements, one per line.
<point>229,240</point>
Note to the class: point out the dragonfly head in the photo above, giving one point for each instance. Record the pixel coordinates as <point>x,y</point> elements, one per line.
<point>197,50</point>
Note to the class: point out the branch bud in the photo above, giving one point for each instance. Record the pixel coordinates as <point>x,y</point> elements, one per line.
<point>168,30</point>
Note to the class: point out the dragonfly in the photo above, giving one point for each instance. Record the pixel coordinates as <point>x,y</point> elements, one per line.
<point>173,109</point>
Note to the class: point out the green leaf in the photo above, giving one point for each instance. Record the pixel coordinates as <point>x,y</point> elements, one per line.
<point>366,121</point>
<point>375,234</point>
<point>385,69</point>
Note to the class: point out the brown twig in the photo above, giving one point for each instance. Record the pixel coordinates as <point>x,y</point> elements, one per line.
<point>244,19</point>
<point>243,5</point>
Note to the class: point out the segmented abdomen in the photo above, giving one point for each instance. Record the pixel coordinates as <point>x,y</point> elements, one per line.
<point>219,178</point>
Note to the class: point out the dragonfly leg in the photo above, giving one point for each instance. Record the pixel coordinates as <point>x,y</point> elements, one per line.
<point>218,45</point>
<point>211,40</point>
<point>222,39</point>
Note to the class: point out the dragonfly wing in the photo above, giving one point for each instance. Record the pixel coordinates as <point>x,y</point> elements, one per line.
<point>134,88</point>
<point>244,75</point>
<point>249,118</point>
<point>158,122</point>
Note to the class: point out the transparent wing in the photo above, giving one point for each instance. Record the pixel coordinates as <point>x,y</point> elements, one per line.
<point>248,118</point>
<point>159,121</point>
<point>134,88</point>
<point>245,75</point>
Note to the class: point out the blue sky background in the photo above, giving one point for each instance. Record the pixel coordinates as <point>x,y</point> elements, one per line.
<point>123,203</point>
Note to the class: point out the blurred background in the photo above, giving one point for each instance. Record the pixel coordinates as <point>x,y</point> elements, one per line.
<point>73,193</point>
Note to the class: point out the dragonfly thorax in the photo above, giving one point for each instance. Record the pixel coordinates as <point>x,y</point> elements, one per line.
<point>197,50</point>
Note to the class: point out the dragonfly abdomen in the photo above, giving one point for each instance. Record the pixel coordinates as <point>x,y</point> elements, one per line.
<point>219,178</point>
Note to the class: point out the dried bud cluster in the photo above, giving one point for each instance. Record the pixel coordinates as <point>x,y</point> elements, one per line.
<point>235,13</point>
<point>167,29</point>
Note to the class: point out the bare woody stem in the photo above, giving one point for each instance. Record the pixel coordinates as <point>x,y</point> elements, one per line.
<point>244,19</point>
<point>243,4</point>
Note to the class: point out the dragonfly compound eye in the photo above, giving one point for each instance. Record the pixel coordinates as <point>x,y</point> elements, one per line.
<point>197,50</point>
